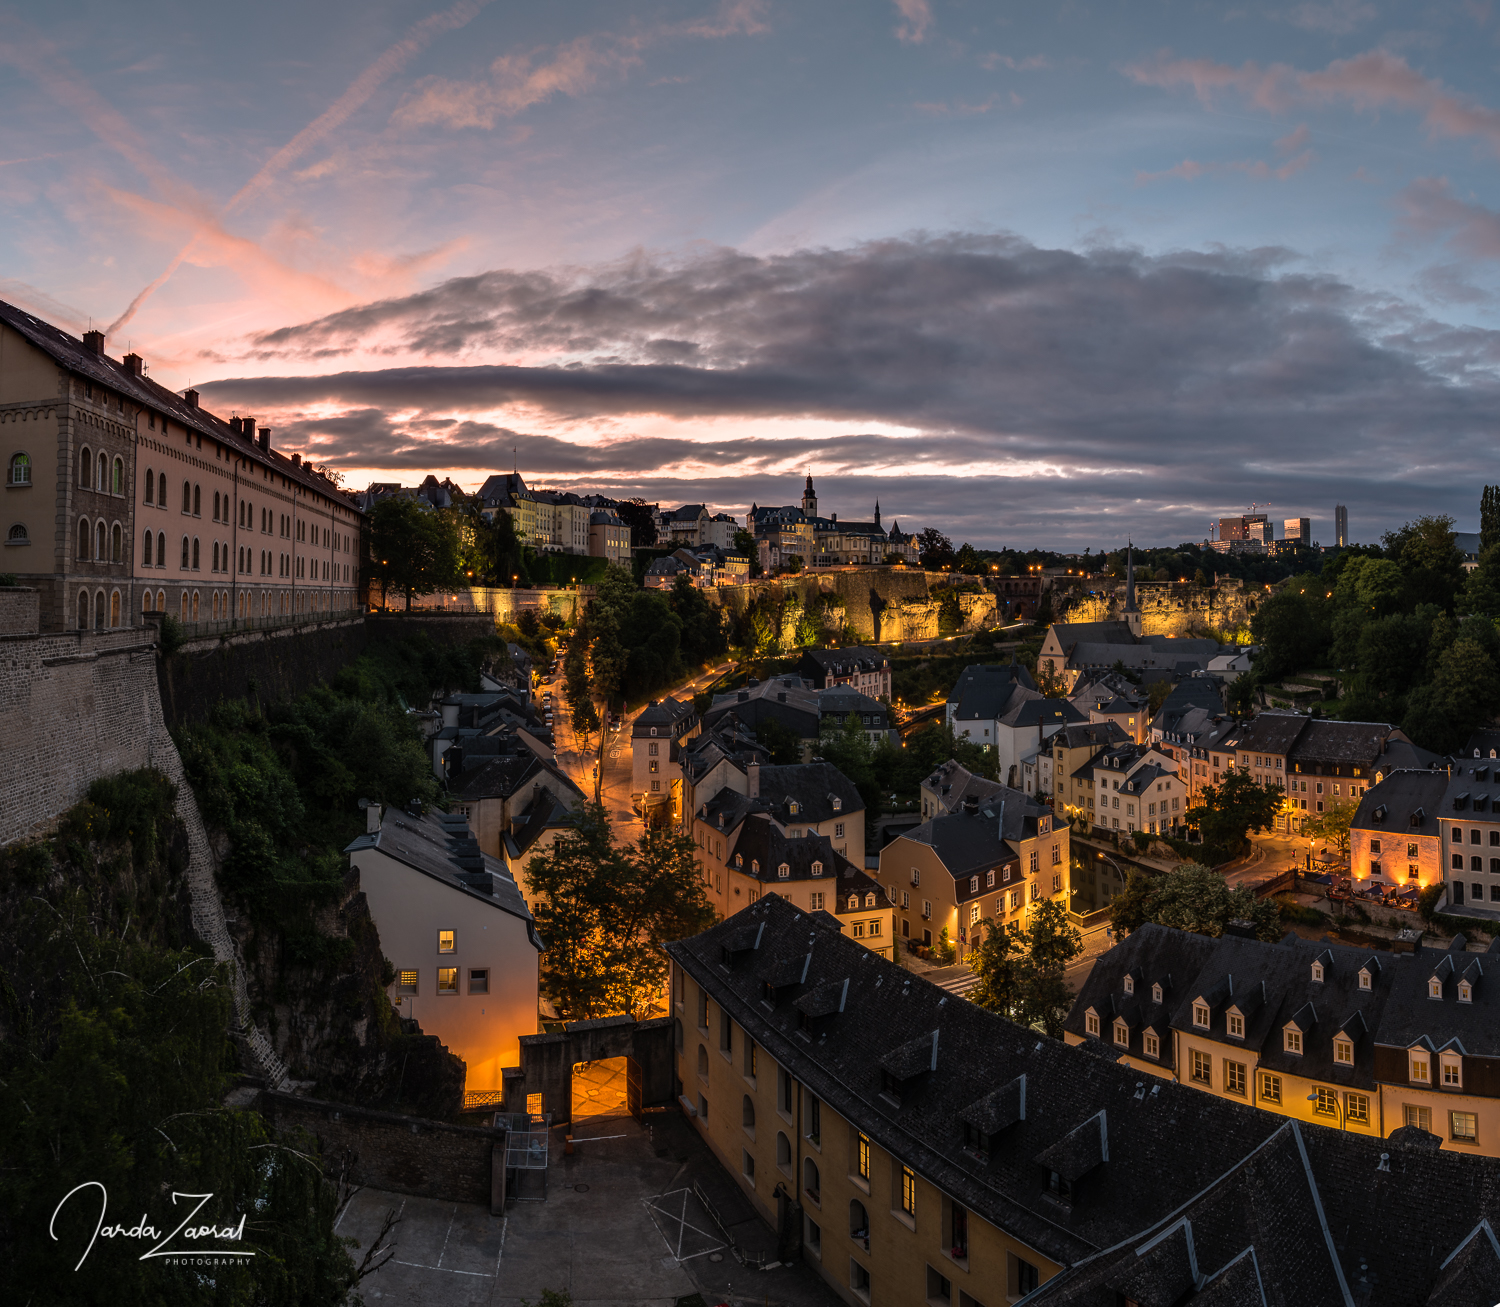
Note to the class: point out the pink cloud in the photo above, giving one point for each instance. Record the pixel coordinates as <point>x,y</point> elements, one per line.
<point>916,18</point>
<point>1430,211</point>
<point>1188,170</point>
<point>1191,169</point>
<point>1370,81</point>
<point>1294,140</point>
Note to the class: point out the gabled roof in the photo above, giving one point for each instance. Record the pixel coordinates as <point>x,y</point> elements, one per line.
<point>1404,804</point>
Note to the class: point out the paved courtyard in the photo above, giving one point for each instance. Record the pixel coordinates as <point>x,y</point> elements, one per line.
<point>621,1227</point>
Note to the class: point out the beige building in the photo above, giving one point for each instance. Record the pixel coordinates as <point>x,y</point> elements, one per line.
<point>656,735</point>
<point>609,538</point>
<point>123,498</point>
<point>457,932</point>
<point>956,870</point>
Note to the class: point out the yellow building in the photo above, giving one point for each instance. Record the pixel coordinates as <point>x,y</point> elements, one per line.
<point>956,869</point>
<point>1367,1042</point>
<point>913,1148</point>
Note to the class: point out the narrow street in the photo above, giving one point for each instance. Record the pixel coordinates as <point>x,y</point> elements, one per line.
<point>578,756</point>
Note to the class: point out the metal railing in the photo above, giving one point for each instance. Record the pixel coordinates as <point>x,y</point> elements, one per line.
<point>274,621</point>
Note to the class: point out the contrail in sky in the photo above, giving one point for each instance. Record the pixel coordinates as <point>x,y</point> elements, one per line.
<point>336,115</point>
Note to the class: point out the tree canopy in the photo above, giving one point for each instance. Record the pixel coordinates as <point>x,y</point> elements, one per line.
<point>1226,813</point>
<point>416,550</point>
<point>1193,898</point>
<point>604,910</point>
<point>1022,968</point>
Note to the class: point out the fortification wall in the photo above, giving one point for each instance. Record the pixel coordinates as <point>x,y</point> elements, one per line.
<point>503,605</point>
<point>73,707</point>
<point>1167,608</point>
<point>874,604</point>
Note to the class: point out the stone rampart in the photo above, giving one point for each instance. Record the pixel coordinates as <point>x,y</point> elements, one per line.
<point>1167,607</point>
<point>504,605</point>
<point>20,610</point>
<point>73,707</point>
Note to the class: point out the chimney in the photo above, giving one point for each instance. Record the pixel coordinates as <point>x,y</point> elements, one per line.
<point>752,773</point>
<point>971,804</point>
<point>190,398</point>
<point>265,439</point>
<point>94,340</point>
<point>132,364</point>
<point>372,816</point>
<point>296,460</point>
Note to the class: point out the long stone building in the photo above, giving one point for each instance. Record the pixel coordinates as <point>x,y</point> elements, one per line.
<point>124,498</point>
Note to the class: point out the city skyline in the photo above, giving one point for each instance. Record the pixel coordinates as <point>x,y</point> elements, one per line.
<point>1035,278</point>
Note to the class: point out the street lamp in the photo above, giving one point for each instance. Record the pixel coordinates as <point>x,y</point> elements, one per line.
<point>1313,1098</point>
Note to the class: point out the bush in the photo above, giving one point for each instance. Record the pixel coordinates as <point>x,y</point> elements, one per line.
<point>169,635</point>
<point>1427,900</point>
<point>944,950</point>
<point>1299,913</point>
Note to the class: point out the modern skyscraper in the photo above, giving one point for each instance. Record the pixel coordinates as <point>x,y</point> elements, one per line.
<point>1298,529</point>
<point>1341,526</point>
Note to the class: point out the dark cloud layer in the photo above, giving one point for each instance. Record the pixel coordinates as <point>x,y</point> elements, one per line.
<point>1151,391</point>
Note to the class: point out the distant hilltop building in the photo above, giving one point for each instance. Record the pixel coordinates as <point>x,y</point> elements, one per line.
<point>796,529</point>
<point>556,521</point>
<point>1341,526</point>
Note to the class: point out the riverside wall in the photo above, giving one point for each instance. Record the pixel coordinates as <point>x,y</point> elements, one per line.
<point>1167,607</point>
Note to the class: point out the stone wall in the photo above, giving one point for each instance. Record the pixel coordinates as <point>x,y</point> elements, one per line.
<point>1167,608</point>
<point>20,610</point>
<point>405,1154</point>
<point>547,1061</point>
<point>865,604</point>
<point>504,605</point>
<point>73,707</point>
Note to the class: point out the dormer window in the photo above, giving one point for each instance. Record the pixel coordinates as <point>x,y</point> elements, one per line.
<point>870,898</point>
<point>1434,988</point>
<point>739,860</point>
<point>973,884</point>
<point>1452,1071</point>
<point>653,730</point>
<point>1366,981</point>
<point>1091,1022</point>
<point>1343,1052</point>
<point>783,871</point>
<point>976,1142</point>
<point>1130,984</point>
<point>1122,1034</point>
<point>853,902</point>
<point>1420,1069</point>
<point>1200,1015</point>
<point>1156,993</point>
<point>838,805</point>
<point>1292,1041</point>
<point>791,807</point>
<point>817,869</point>
<point>1465,992</point>
<point>1317,973</point>
<point>755,866</point>
<point>989,879</point>
<point>1151,1044</point>
<point>1235,1023</point>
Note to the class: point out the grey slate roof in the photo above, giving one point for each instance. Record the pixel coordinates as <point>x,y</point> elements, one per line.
<point>1411,1017</point>
<point>970,842</point>
<point>664,714</point>
<point>1404,804</point>
<point>443,847</point>
<point>1199,1197</point>
<point>985,691</point>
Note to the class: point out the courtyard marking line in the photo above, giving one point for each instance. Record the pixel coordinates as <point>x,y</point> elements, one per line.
<point>446,1270</point>
<point>591,1139</point>
<point>500,1256</point>
<point>682,1226</point>
<point>443,1250</point>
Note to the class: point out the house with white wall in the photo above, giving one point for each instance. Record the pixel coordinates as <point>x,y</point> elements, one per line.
<point>454,926</point>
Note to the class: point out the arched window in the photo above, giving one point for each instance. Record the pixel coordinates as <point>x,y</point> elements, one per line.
<point>216,505</point>
<point>216,606</point>
<point>85,535</point>
<point>197,501</point>
<point>101,542</point>
<point>184,605</point>
<point>20,470</point>
<point>184,553</point>
<point>187,496</point>
<point>83,610</point>
<point>117,481</point>
<point>101,478</point>
<point>195,553</point>
<point>150,486</point>
<point>85,467</point>
<point>161,551</point>
<point>146,602</point>
<point>161,490</point>
<point>195,605</point>
<point>859,1220</point>
<point>116,544</point>
<point>783,1151</point>
<point>99,610</point>
<point>702,1061</point>
<point>17,535</point>
<point>161,601</point>
<point>216,556</point>
<point>783,871</point>
<point>114,608</point>
<point>810,1180</point>
<point>747,1115</point>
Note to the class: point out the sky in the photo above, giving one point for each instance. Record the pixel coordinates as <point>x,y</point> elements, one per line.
<point>1036,275</point>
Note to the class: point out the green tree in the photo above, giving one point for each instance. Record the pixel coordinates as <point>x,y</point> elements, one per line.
<point>1131,909</point>
<point>577,683</point>
<point>1481,592</point>
<point>783,743</point>
<point>950,612</point>
<point>1464,692</point>
<point>1194,898</point>
<point>1023,969</point>
<point>1430,560</point>
<point>995,961</point>
<point>1226,813</point>
<point>847,746</point>
<point>604,911</point>
<point>1332,824</point>
<point>416,551</point>
<point>1489,518</point>
<point>934,548</point>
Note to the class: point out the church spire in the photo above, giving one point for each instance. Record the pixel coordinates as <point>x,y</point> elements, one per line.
<point>809,499</point>
<point>1132,613</point>
<point>877,512</point>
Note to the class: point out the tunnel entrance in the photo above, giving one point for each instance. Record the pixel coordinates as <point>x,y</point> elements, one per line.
<point>610,1086</point>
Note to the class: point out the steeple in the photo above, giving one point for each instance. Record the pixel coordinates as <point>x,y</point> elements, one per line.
<point>1132,613</point>
<point>809,499</point>
<point>877,512</point>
